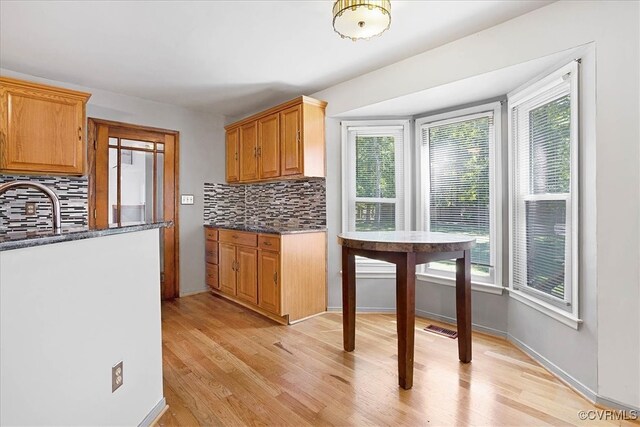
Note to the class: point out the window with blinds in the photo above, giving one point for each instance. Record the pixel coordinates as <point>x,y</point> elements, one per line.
<point>375,172</point>
<point>458,184</point>
<point>543,126</point>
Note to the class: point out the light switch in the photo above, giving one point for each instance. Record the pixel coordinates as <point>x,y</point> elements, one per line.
<point>187,199</point>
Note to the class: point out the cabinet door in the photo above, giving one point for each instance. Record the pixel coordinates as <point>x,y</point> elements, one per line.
<point>211,251</point>
<point>269,146</point>
<point>247,274</point>
<point>232,156</point>
<point>249,151</point>
<point>291,141</point>
<point>212,276</point>
<point>226,268</point>
<point>43,132</point>
<point>269,281</point>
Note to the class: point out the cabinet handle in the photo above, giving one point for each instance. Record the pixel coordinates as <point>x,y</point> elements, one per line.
<point>297,136</point>
<point>275,277</point>
<point>236,155</point>
<point>255,152</point>
<point>79,133</point>
<point>267,243</point>
<point>259,151</point>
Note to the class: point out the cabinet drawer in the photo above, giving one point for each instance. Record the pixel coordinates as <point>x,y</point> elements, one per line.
<point>211,251</point>
<point>212,276</point>
<point>210,234</point>
<point>238,237</point>
<point>269,242</point>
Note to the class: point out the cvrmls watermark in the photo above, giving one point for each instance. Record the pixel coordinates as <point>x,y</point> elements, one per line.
<point>608,414</point>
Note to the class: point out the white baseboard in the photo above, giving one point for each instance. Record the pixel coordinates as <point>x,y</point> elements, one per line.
<point>614,404</point>
<point>451,320</point>
<point>371,310</point>
<point>188,294</point>
<point>561,374</point>
<point>155,412</point>
<point>427,315</point>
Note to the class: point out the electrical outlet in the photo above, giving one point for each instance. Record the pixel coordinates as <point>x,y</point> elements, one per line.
<point>117,377</point>
<point>187,199</point>
<point>30,209</point>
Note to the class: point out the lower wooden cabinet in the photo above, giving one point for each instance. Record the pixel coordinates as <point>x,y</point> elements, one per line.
<point>211,259</point>
<point>227,266</point>
<point>212,276</point>
<point>246,274</point>
<point>268,281</point>
<point>280,276</point>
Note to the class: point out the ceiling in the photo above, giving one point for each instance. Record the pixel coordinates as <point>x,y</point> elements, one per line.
<point>225,57</point>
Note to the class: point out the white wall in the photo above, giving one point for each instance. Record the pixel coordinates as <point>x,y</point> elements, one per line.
<point>201,160</point>
<point>64,324</point>
<point>603,355</point>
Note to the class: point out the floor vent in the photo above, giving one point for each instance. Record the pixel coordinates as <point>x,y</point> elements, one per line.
<point>442,331</point>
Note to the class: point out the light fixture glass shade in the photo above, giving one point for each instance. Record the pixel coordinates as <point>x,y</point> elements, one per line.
<point>361,19</point>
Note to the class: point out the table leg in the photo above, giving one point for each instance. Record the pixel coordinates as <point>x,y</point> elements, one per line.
<point>463,306</point>
<point>406,314</point>
<point>348,299</point>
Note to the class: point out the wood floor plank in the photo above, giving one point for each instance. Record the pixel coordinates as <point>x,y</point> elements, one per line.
<point>226,365</point>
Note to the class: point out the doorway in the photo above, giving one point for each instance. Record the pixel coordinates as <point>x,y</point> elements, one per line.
<point>133,178</point>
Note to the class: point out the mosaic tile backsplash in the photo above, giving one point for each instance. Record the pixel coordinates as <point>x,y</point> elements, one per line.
<point>73,194</point>
<point>300,203</point>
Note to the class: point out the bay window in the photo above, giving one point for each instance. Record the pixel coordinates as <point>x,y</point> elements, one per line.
<point>543,190</point>
<point>375,182</point>
<point>459,183</point>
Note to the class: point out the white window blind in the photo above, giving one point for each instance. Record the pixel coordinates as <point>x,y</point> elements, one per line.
<point>376,184</point>
<point>458,178</point>
<point>544,189</point>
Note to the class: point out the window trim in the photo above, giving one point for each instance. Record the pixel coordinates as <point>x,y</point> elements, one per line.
<point>495,183</point>
<point>517,97</point>
<point>369,268</point>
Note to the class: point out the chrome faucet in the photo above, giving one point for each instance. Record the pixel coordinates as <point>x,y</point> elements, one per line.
<point>55,201</point>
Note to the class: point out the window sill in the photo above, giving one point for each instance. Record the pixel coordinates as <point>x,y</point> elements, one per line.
<point>475,286</point>
<point>562,316</point>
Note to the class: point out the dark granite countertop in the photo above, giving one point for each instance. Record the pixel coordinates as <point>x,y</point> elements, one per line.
<point>24,239</point>
<point>285,229</point>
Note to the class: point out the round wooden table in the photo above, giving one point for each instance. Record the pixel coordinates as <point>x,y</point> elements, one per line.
<point>406,249</point>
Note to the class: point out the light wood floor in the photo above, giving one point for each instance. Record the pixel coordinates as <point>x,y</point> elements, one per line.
<point>224,365</point>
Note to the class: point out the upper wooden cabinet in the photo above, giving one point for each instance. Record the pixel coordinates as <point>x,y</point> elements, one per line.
<point>269,146</point>
<point>286,141</point>
<point>232,155</point>
<point>292,155</point>
<point>42,129</point>
<point>249,151</point>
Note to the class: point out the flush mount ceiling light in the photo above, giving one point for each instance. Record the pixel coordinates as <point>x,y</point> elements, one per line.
<point>361,19</point>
